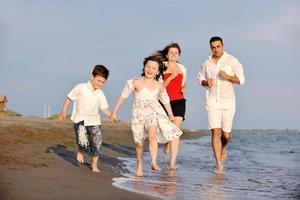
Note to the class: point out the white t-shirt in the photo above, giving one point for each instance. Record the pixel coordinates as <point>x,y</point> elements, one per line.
<point>221,94</point>
<point>87,104</point>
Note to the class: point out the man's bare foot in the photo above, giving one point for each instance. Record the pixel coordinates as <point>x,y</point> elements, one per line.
<point>166,148</point>
<point>220,169</point>
<point>172,167</point>
<point>80,157</point>
<point>224,154</point>
<point>155,167</point>
<point>139,172</point>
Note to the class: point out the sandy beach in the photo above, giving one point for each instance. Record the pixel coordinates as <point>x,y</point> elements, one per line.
<point>37,161</point>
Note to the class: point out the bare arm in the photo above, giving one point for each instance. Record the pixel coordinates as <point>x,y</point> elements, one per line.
<point>107,113</point>
<point>120,101</point>
<point>169,111</point>
<point>168,80</point>
<point>63,114</point>
<point>164,98</point>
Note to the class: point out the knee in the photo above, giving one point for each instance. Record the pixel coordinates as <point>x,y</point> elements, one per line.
<point>139,145</point>
<point>226,138</point>
<point>152,136</point>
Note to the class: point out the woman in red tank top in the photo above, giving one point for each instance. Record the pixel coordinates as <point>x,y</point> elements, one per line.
<point>174,81</point>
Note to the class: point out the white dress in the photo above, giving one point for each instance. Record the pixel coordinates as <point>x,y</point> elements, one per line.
<point>147,111</point>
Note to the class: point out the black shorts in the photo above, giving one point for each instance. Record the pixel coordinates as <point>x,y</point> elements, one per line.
<point>178,108</point>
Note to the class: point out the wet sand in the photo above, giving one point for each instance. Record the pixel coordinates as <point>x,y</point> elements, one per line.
<point>37,161</point>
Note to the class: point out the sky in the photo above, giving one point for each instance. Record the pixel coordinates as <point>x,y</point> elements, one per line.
<point>47,47</point>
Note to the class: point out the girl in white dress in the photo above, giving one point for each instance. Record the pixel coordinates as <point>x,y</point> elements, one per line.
<point>149,120</point>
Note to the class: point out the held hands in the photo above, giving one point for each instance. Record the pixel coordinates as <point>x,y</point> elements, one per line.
<point>113,117</point>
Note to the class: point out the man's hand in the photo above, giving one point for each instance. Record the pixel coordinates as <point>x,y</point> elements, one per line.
<point>223,75</point>
<point>210,82</point>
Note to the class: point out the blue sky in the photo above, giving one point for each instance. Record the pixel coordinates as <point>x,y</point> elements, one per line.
<point>49,46</point>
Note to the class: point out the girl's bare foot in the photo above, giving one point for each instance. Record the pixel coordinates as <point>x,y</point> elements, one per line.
<point>80,157</point>
<point>139,172</point>
<point>155,167</point>
<point>166,148</point>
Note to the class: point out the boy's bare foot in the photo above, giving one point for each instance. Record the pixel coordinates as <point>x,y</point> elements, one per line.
<point>95,169</point>
<point>80,157</point>
<point>155,167</point>
<point>139,172</point>
<point>166,148</point>
<point>224,154</point>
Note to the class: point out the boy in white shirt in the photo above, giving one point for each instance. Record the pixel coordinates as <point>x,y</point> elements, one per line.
<point>88,99</point>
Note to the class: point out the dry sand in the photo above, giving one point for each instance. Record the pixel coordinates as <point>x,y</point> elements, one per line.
<point>37,161</point>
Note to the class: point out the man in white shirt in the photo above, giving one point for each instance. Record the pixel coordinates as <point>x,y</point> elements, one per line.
<point>218,74</point>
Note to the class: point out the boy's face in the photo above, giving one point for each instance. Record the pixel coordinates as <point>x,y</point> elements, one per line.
<point>98,81</point>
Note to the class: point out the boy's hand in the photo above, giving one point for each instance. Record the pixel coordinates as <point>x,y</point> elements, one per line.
<point>62,116</point>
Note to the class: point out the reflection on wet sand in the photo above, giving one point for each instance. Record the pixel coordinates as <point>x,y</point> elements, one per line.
<point>214,189</point>
<point>164,186</point>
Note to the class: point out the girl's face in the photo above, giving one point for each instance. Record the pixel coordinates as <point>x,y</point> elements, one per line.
<point>173,54</point>
<point>151,69</point>
<point>98,82</point>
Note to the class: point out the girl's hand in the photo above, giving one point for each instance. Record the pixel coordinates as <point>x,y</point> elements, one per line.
<point>113,117</point>
<point>172,118</point>
<point>173,75</point>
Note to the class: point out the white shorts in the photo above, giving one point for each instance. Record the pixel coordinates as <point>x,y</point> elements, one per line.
<point>220,118</point>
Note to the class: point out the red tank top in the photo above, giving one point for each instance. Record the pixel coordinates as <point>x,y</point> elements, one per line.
<point>174,88</point>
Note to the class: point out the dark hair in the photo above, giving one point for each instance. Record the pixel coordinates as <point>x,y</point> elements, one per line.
<point>215,38</point>
<point>157,59</point>
<point>163,53</point>
<point>100,70</point>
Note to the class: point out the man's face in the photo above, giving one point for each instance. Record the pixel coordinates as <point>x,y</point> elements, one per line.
<point>217,48</point>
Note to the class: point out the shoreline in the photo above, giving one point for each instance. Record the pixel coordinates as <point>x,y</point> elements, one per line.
<point>38,160</point>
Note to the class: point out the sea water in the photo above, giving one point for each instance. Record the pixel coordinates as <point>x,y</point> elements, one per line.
<point>260,165</point>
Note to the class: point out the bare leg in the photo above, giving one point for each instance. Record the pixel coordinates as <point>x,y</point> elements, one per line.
<point>153,146</point>
<point>174,151</point>
<point>217,147</point>
<point>167,146</point>
<point>175,145</point>
<point>95,164</point>
<point>139,157</point>
<point>80,157</point>
<point>225,138</point>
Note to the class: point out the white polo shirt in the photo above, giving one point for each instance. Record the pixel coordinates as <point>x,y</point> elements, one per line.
<point>221,94</point>
<point>87,104</point>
